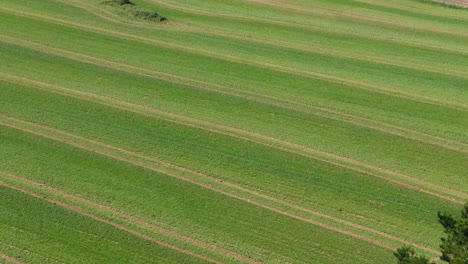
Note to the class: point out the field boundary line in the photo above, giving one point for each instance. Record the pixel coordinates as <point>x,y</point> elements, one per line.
<point>102,220</point>
<point>307,27</point>
<point>132,218</point>
<point>9,259</point>
<point>211,186</point>
<point>311,49</point>
<point>352,84</point>
<point>330,13</point>
<point>267,141</point>
<point>319,111</point>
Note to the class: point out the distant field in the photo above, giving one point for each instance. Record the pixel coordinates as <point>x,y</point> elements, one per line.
<point>237,131</point>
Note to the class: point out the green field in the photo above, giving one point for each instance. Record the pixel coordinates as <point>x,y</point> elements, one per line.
<point>237,131</point>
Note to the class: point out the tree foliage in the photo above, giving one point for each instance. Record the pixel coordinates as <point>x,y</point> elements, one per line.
<point>124,2</point>
<point>454,247</point>
<point>406,255</point>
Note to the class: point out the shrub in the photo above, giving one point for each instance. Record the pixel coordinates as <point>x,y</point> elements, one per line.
<point>131,10</point>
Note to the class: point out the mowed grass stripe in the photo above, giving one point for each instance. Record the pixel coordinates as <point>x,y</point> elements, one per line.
<point>344,96</point>
<point>391,188</point>
<point>265,65</point>
<point>251,96</point>
<point>283,103</point>
<point>204,178</point>
<point>102,220</point>
<point>330,13</point>
<point>141,185</point>
<point>137,154</point>
<point>417,9</point>
<point>293,148</point>
<point>329,41</point>
<point>401,179</point>
<point>268,141</point>
<point>316,10</point>
<point>413,9</point>
<point>138,142</point>
<point>179,8</point>
<point>311,49</point>
<point>172,26</point>
<point>247,200</point>
<point>132,218</point>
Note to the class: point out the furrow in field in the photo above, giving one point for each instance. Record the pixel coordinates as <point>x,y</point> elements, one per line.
<point>312,49</point>
<point>353,84</point>
<point>131,218</point>
<point>251,96</point>
<point>202,181</point>
<point>9,259</point>
<point>400,179</point>
<point>356,17</point>
<point>26,251</point>
<point>307,27</point>
<point>97,218</point>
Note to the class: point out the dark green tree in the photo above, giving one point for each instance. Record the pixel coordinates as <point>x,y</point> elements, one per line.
<point>124,2</point>
<point>454,247</point>
<point>406,255</point>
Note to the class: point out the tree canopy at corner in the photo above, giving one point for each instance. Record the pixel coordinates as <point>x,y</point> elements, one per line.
<point>406,255</point>
<point>454,247</point>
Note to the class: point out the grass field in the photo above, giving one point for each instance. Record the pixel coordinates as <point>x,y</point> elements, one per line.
<point>237,131</point>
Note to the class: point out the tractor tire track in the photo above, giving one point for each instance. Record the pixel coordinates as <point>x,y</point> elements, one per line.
<point>251,96</point>
<point>46,259</point>
<point>102,220</point>
<point>267,141</point>
<point>130,218</point>
<point>217,181</point>
<point>353,84</point>
<point>9,259</point>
